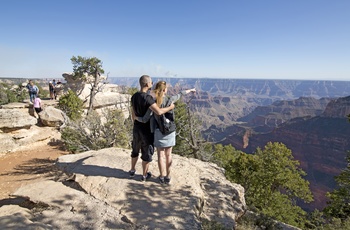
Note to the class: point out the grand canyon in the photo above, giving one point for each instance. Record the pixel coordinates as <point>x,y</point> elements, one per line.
<point>309,117</point>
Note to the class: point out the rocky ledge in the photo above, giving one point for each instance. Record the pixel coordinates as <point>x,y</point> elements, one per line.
<point>93,191</point>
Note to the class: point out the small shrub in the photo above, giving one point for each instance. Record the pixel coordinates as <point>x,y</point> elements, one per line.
<point>96,132</point>
<point>9,94</point>
<point>212,225</point>
<point>72,105</point>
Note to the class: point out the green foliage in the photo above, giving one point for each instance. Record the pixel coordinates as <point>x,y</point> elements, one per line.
<point>3,95</point>
<point>315,220</point>
<point>282,172</point>
<point>271,178</point>
<point>72,105</point>
<point>84,65</point>
<point>132,90</point>
<point>225,154</point>
<point>337,224</point>
<point>73,139</point>
<point>11,96</point>
<point>337,211</point>
<point>253,221</point>
<point>212,225</point>
<point>97,132</point>
<point>339,199</point>
<point>11,93</point>
<point>244,170</point>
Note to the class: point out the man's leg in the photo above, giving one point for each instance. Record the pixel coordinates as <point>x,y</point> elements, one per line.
<point>145,166</point>
<point>147,153</point>
<point>135,151</point>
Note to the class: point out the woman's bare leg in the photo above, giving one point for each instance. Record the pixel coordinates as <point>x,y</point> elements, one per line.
<point>161,161</point>
<point>169,160</point>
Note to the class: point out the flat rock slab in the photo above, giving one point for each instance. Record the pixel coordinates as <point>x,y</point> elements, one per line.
<point>98,193</point>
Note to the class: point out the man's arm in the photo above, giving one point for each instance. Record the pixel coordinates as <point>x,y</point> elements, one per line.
<point>159,111</point>
<point>133,116</point>
<point>146,117</point>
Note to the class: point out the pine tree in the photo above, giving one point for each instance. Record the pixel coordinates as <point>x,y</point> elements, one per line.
<point>189,140</point>
<point>339,203</point>
<point>83,68</point>
<point>272,180</point>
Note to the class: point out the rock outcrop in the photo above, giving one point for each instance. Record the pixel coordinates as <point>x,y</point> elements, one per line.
<point>97,193</point>
<point>52,117</point>
<point>21,129</point>
<point>19,122</point>
<point>14,119</point>
<point>108,97</point>
<point>23,139</point>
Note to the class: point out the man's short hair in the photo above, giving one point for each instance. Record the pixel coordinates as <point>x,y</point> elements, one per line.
<point>144,79</point>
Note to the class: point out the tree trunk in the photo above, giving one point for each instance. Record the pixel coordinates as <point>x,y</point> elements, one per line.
<point>93,91</point>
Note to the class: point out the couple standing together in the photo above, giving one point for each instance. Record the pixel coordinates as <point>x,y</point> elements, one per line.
<point>146,134</point>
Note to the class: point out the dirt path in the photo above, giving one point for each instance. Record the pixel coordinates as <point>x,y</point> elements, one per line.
<point>24,167</point>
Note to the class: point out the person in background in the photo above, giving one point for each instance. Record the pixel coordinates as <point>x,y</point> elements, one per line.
<point>163,142</point>
<point>142,136</point>
<point>52,90</point>
<point>58,88</point>
<point>33,90</point>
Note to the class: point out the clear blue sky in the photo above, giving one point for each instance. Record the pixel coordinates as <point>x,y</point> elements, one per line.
<point>260,39</point>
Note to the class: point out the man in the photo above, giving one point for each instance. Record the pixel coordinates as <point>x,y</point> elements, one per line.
<point>142,136</point>
<point>54,89</point>
<point>33,90</point>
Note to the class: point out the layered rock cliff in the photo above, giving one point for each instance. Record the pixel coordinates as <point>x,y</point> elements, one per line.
<point>271,116</point>
<point>221,102</point>
<point>320,143</point>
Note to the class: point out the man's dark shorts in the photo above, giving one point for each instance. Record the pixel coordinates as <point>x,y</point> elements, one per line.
<point>142,140</point>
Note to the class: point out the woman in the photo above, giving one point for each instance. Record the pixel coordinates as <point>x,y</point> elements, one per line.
<point>33,90</point>
<point>163,143</point>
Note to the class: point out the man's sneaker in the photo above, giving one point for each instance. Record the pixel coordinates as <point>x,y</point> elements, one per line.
<point>132,173</point>
<point>167,180</point>
<point>161,180</point>
<point>144,178</point>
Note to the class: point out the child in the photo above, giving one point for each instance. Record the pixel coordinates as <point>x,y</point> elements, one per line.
<point>37,105</point>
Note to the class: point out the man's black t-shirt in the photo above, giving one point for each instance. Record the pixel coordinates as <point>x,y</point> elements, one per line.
<point>140,102</point>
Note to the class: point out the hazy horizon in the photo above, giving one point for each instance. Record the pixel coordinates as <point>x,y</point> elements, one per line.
<point>211,78</point>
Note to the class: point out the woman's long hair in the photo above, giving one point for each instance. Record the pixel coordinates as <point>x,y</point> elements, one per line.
<point>159,92</point>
